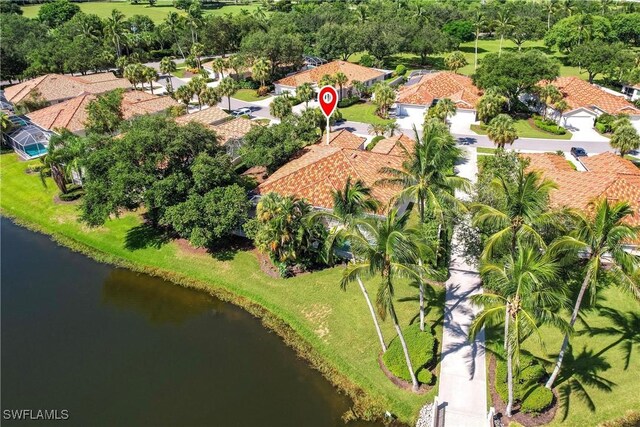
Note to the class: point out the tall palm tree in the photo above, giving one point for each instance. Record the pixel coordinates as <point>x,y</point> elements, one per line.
<point>455,60</point>
<point>625,138</point>
<point>551,6</point>
<point>502,131</point>
<point>210,96</point>
<point>174,22</point>
<point>600,239</point>
<point>384,96</point>
<point>350,205</point>
<point>167,67</point>
<point>525,211</point>
<point>194,19</point>
<point>184,94</point>
<point>260,70</point>
<point>198,86</point>
<point>228,87</point>
<point>150,75</point>
<point>527,297</point>
<point>561,106</point>
<point>326,80</point>
<point>549,94</point>
<point>305,93</point>
<point>340,79</point>
<point>386,248</point>
<point>426,175</point>
<point>114,28</point>
<point>502,25</point>
<point>443,109</point>
<point>478,23</point>
<point>219,65</point>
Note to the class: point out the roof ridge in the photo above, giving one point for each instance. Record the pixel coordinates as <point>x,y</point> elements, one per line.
<point>311,147</point>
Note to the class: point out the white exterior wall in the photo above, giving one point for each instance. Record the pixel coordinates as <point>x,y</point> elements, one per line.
<point>414,113</point>
<point>280,89</point>
<point>463,119</point>
<point>635,121</point>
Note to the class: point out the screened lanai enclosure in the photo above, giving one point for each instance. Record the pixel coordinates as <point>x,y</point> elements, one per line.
<point>27,139</point>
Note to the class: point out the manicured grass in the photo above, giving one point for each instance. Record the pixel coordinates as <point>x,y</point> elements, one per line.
<point>157,13</point>
<point>336,323</point>
<point>483,150</point>
<point>248,95</point>
<point>364,113</point>
<point>525,130</point>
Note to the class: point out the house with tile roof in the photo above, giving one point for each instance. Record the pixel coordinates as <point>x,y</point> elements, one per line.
<point>354,72</point>
<point>319,169</point>
<point>586,102</point>
<point>415,99</point>
<point>230,130</point>
<point>632,92</point>
<point>607,176</point>
<point>72,114</point>
<point>55,88</point>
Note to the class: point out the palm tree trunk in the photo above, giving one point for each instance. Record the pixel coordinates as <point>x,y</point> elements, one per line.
<point>509,380</point>
<point>506,324</point>
<point>475,60</point>
<point>414,380</point>
<point>565,342</point>
<point>179,48</point>
<point>373,314</point>
<point>500,50</point>
<point>229,102</point>
<point>421,293</point>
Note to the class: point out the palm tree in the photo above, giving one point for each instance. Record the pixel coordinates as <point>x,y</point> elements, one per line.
<point>198,85</point>
<point>197,50</point>
<point>502,131</point>
<point>134,73</point>
<point>443,109</point>
<point>600,239</point>
<point>114,28</point>
<point>551,6</point>
<point>625,138</point>
<point>490,105</point>
<point>349,205</point>
<point>385,96</point>
<point>391,128</point>
<point>340,79</point>
<point>387,248</point>
<point>525,211</point>
<point>561,106</point>
<point>426,175</point>
<point>260,70</point>
<point>6,125</point>
<point>305,93</point>
<point>167,67</point>
<point>228,87</point>
<point>174,23</point>
<point>194,18</point>
<point>526,298</point>
<point>184,94</point>
<point>326,80</point>
<point>210,96</point>
<point>549,94</point>
<point>280,107</point>
<point>502,26</point>
<point>150,75</point>
<point>237,63</point>
<point>219,65</point>
<point>455,60</point>
<point>478,23</point>
<point>378,129</point>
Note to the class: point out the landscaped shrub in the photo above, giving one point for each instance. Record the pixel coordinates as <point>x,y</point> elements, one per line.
<point>602,128</point>
<point>549,126</point>
<point>604,123</point>
<point>420,345</point>
<point>401,70</point>
<point>348,102</point>
<point>71,194</point>
<point>539,399</point>
<point>263,91</point>
<point>374,141</point>
<point>367,60</point>
<point>629,419</point>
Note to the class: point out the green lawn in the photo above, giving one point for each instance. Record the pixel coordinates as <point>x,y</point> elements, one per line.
<point>525,130</point>
<point>157,13</point>
<point>336,324</point>
<point>248,95</point>
<point>363,112</point>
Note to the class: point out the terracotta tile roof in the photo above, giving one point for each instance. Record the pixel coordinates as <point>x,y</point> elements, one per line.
<point>234,129</point>
<point>609,179</point>
<point>57,87</point>
<point>609,162</point>
<point>581,94</point>
<point>313,75</point>
<point>393,145</point>
<point>209,116</point>
<point>72,114</point>
<point>319,169</point>
<point>443,84</point>
<point>343,138</point>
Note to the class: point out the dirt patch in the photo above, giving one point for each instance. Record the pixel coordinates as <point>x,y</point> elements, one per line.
<point>317,314</point>
<point>266,265</point>
<point>526,420</point>
<point>399,382</point>
<point>185,246</point>
<point>58,201</point>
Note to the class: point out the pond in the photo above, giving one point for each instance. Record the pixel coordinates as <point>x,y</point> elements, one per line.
<point>113,347</point>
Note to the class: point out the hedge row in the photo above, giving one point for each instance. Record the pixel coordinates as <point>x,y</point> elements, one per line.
<point>420,345</point>
<point>348,102</point>
<point>549,126</point>
<point>527,387</point>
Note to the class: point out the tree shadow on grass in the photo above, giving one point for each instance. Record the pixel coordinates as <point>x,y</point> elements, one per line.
<point>226,250</point>
<point>145,236</point>
<point>625,327</point>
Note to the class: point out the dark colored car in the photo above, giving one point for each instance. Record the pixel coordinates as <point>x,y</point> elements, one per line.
<point>578,152</point>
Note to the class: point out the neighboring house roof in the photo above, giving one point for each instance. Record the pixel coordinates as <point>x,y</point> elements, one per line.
<point>320,169</point>
<point>313,75</point>
<point>209,116</point>
<point>582,94</point>
<point>234,129</point>
<point>616,180</point>
<point>444,84</point>
<point>55,87</point>
<point>393,145</point>
<point>345,139</point>
<point>72,114</point>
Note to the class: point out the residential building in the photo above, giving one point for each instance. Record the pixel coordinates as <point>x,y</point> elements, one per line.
<point>586,102</point>
<point>414,100</point>
<point>318,170</point>
<point>72,114</point>
<point>632,92</point>
<point>55,88</point>
<point>27,139</point>
<point>354,72</point>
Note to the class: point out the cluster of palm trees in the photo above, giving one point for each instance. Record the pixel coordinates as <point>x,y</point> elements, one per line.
<point>527,249</point>
<point>138,73</point>
<point>63,159</point>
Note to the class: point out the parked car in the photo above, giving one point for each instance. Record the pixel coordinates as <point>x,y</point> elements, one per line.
<point>241,112</point>
<point>578,152</point>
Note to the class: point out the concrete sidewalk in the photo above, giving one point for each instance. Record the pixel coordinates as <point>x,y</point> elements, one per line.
<point>463,383</point>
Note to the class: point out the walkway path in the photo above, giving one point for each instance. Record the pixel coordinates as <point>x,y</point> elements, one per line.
<point>463,386</point>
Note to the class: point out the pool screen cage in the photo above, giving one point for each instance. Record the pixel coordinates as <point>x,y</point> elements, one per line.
<point>28,140</point>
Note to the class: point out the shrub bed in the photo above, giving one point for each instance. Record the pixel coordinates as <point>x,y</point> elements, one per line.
<point>73,193</point>
<point>549,126</point>
<point>348,102</point>
<point>420,345</point>
<point>527,387</point>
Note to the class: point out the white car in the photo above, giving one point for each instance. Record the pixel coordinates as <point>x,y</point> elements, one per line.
<point>241,112</point>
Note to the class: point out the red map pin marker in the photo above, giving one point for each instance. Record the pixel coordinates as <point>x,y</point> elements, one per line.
<point>328,99</point>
